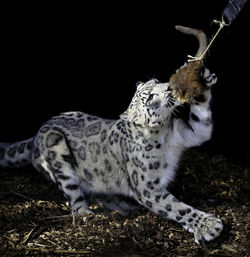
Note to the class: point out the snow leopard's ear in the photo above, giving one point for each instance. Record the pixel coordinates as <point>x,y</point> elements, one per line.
<point>134,114</point>
<point>139,84</point>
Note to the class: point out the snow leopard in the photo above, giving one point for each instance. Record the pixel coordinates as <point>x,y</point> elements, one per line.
<point>135,156</point>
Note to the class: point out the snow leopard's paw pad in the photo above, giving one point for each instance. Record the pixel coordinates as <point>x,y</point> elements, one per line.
<point>209,227</point>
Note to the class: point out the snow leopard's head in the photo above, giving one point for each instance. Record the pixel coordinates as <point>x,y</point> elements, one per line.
<point>151,105</point>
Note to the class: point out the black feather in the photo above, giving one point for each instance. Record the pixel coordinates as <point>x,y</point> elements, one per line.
<point>232,9</point>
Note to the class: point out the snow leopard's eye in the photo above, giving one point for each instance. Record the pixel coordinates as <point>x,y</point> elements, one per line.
<point>151,96</point>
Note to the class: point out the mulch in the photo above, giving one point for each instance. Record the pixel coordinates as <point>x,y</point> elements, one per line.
<point>35,219</point>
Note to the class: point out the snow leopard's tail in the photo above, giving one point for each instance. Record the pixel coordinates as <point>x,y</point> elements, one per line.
<point>16,154</point>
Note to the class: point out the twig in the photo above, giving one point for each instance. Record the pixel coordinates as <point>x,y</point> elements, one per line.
<point>10,242</point>
<point>176,230</point>
<point>28,235</point>
<point>51,242</point>
<point>50,250</point>
<point>136,242</point>
<point>40,245</point>
<point>57,217</point>
<point>23,196</point>
<point>228,248</point>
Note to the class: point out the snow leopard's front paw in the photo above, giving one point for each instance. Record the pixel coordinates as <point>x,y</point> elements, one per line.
<point>84,212</point>
<point>209,78</point>
<point>208,227</point>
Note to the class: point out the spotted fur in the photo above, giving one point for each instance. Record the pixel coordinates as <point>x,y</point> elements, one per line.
<point>135,156</point>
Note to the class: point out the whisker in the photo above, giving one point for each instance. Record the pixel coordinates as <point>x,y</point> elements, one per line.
<point>171,109</point>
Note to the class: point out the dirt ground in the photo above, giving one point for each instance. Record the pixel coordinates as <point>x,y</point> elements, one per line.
<point>35,219</point>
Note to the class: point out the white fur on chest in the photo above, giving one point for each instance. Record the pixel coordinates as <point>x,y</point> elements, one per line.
<point>171,154</point>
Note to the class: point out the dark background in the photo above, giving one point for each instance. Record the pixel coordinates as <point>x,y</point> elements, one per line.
<point>88,57</point>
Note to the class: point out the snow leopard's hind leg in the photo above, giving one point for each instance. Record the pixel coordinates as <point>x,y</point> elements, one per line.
<point>53,156</point>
